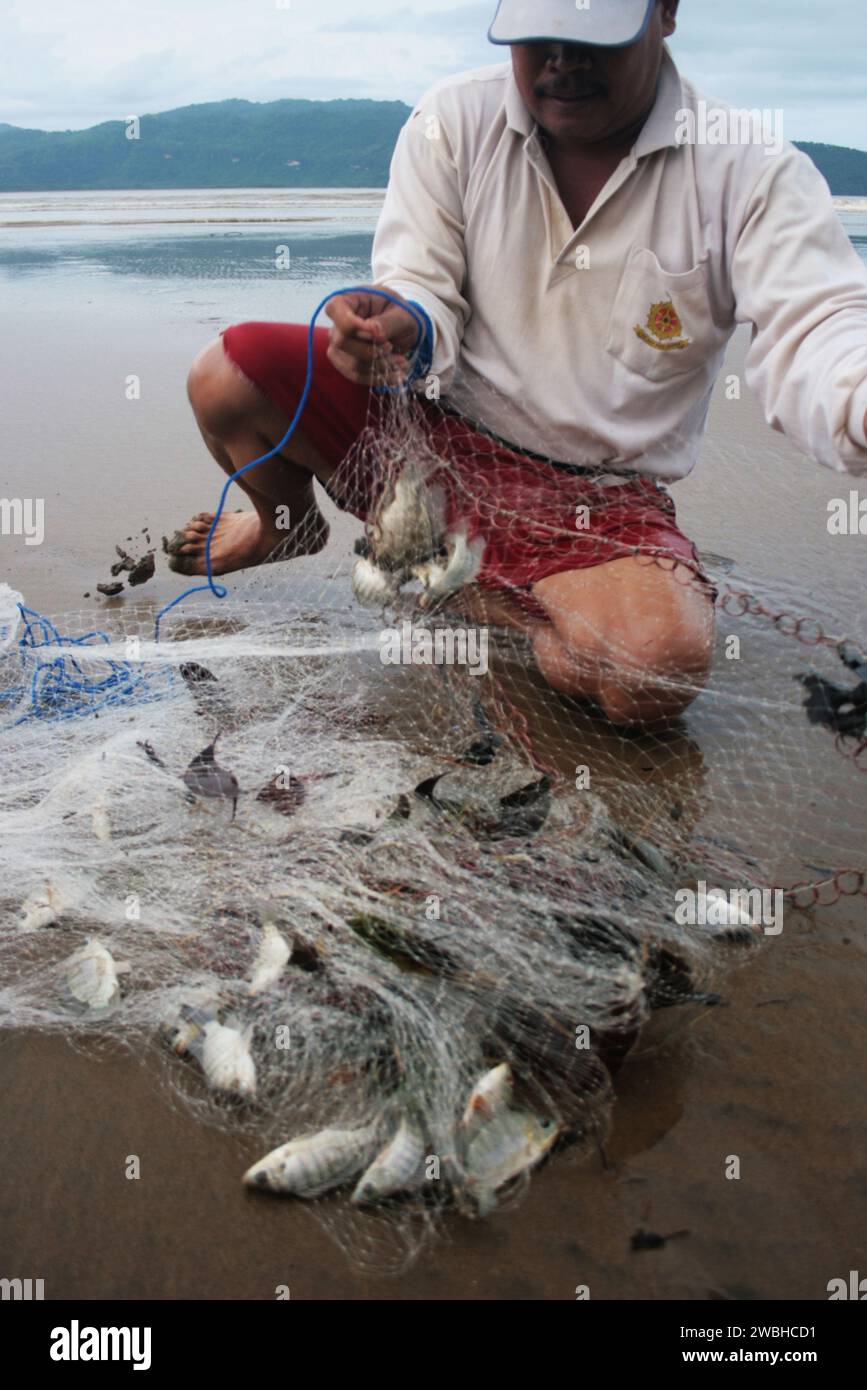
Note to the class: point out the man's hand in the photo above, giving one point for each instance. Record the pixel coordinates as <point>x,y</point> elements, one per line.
<point>371,337</point>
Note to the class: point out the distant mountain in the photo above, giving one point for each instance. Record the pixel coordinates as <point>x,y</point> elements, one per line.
<point>248,144</point>
<point>220,144</point>
<point>845,169</point>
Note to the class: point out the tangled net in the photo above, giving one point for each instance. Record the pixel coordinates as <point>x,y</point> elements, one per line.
<point>453,891</point>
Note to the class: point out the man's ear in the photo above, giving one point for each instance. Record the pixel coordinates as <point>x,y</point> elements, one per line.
<point>669,17</point>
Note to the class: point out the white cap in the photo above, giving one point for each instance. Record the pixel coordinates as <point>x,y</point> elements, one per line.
<point>608,23</point>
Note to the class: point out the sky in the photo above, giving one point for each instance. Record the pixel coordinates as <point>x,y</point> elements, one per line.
<point>69,64</point>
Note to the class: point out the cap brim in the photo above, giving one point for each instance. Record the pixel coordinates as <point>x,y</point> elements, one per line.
<point>604,24</point>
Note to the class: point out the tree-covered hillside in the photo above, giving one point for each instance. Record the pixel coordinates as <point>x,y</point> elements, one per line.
<point>247,144</point>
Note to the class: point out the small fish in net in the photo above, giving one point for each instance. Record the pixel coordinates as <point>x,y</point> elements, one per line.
<point>413,963</point>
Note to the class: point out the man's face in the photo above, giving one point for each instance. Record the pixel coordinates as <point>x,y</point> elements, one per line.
<point>582,95</point>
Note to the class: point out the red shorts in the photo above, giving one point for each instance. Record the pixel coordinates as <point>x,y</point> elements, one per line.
<point>537,518</point>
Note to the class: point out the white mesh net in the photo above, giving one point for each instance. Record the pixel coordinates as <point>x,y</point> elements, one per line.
<point>349,890</point>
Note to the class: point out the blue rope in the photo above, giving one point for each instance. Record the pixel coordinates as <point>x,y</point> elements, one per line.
<point>422,342</point>
<point>60,688</point>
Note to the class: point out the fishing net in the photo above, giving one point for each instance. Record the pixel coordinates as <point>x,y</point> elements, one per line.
<point>467,869</point>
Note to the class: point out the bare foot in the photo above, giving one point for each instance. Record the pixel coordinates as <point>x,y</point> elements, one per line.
<point>241,540</point>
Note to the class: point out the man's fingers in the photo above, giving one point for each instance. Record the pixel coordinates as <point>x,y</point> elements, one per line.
<point>379,371</point>
<point>372,318</point>
<point>347,314</point>
<point>362,351</point>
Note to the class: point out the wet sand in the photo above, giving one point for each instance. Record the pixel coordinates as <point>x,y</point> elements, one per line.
<point>775,1077</point>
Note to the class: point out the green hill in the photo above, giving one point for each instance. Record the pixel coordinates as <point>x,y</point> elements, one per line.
<point>845,169</point>
<point>247,144</point>
<point>222,144</point>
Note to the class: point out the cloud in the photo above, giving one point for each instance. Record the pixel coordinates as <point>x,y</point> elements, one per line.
<point>71,63</point>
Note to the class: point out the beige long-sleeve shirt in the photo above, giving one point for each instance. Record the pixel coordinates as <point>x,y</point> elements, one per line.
<point>602,344</point>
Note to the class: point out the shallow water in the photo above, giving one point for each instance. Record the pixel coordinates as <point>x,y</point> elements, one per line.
<point>777,1076</point>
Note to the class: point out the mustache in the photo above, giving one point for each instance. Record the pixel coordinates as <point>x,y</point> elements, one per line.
<point>577,87</point>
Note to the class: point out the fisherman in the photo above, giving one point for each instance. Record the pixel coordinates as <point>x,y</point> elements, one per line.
<point>579,251</point>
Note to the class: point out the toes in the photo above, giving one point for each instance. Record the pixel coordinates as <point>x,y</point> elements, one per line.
<point>184,564</point>
<point>171,547</point>
<point>193,533</point>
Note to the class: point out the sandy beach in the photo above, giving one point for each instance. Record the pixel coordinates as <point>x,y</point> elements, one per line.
<point>774,1076</point>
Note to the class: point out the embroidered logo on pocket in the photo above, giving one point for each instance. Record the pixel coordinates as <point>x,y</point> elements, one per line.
<point>663,329</point>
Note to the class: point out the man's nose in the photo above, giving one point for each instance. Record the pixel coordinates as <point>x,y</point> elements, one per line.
<point>569,56</point>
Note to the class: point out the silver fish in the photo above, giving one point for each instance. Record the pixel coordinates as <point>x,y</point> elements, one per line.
<point>512,1143</point>
<point>397,1167</point>
<point>409,522</point>
<point>716,562</point>
<point>223,1051</point>
<point>462,564</point>
<point>42,908</point>
<point>489,1097</point>
<point>92,975</point>
<point>308,1166</point>
<point>180,1035</point>
<point>274,952</point>
<point>373,586</point>
<point>726,914</point>
<point>99,819</point>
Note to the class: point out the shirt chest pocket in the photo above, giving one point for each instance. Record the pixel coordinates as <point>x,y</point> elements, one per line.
<point>661,325</point>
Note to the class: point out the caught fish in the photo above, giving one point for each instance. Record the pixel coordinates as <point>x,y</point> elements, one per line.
<point>482,751</point>
<point>92,975</point>
<point>668,981</point>
<point>373,586</point>
<point>205,777</point>
<point>489,1097</point>
<point>274,952</point>
<point>285,792</point>
<point>462,563</point>
<point>512,1143</point>
<point>725,912</point>
<point>525,811</point>
<point>100,821</point>
<point>193,674</point>
<point>207,692</point>
<point>180,1035</point>
<point>470,797</point>
<point>399,1166</point>
<point>409,521</point>
<point>311,1165</point>
<point>722,563</point>
<point>644,851</point>
<point>151,753</point>
<point>478,803</point>
<point>224,1054</point>
<point>43,908</point>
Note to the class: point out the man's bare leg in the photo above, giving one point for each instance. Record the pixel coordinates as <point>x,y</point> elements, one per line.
<point>633,637</point>
<point>238,424</point>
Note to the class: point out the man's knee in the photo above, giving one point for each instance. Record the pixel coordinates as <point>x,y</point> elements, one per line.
<point>660,678</point>
<point>629,701</point>
<point>644,678</point>
<point>218,393</point>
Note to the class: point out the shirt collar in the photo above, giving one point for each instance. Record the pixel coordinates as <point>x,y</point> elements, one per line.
<point>658,130</point>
